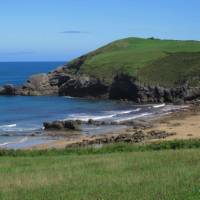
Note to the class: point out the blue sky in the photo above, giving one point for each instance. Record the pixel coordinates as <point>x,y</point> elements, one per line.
<point>48,30</point>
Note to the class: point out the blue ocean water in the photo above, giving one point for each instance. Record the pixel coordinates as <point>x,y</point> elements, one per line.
<point>21,115</point>
<point>18,72</point>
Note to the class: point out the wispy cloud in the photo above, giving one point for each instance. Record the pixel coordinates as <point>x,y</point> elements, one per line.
<point>74,32</point>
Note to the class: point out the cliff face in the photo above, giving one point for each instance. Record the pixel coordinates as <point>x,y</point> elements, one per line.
<point>64,84</point>
<point>140,70</point>
<point>123,87</point>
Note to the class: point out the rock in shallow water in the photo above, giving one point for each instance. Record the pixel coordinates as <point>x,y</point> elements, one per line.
<point>8,90</point>
<point>62,125</point>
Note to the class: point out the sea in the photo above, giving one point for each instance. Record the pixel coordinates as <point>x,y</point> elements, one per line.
<point>21,116</point>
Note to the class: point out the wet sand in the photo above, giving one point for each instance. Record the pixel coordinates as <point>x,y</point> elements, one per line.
<point>184,124</point>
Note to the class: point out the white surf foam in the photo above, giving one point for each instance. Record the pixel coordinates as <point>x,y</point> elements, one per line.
<point>15,142</point>
<point>23,140</point>
<point>87,117</point>
<point>121,112</point>
<point>106,115</point>
<point>133,117</point>
<point>8,126</point>
<point>173,108</point>
<point>110,114</point>
<point>159,106</point>
<point>4,144</point>
<point>69,97</point>
<point>21,129</point>
<point>15,127</point>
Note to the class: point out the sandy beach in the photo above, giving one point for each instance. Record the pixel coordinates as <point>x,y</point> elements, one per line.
<point>182,124</point>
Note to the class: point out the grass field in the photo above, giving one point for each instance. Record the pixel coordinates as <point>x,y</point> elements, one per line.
<point>124,172</point>
<point>152,61</point>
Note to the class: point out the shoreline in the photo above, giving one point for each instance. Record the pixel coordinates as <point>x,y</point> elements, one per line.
<point>181,122</point>
<point>158,128</point>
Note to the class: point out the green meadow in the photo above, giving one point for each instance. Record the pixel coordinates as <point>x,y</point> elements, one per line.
<point>163,171</point>
<point>151,61</point>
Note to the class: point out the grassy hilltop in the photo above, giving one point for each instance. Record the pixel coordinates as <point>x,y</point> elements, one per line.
<point>131,68</point>
<point>152,61</point>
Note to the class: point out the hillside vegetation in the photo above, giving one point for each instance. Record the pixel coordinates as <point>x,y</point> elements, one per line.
<point>152,61</point>
<point>139,70</point>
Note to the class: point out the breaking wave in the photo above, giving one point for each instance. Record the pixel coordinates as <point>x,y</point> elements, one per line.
<point>159,106</point>
<point>8,126</point>
<point>16,128</point>
<point>107,115</point>
<point>15,142</point>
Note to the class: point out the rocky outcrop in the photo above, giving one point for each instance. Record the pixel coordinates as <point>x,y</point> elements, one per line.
<point>136,137</point>
<point>40,84</point>
<point>135,124</point>
<point>62,125</point>
<point>59,83</point>
<point>127,87</point>
<point>84,86</point>
<point>8,90</point>
<point>124,87</point>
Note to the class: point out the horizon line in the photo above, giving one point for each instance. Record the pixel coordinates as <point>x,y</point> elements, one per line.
<point>35,61</point>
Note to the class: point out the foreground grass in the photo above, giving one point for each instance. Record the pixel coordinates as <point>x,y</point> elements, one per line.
<point>121,173</point>
<point>112,148</point>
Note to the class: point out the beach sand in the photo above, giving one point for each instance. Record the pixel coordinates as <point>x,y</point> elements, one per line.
<point>183,123</point>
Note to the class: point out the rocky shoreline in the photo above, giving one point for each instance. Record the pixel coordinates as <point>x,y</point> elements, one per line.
<point>137,131</point>
<point>138,136</point>
<point>123,87</point>
<point>68,81</point>
<point>179,124</point>
<point>176,125</point>
<point>77,140</point>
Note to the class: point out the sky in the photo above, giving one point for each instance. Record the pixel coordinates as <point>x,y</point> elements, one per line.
<point>60,30</point>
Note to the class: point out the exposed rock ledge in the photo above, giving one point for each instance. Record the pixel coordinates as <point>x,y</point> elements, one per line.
<point>137,137</point>
<point>124,87</point>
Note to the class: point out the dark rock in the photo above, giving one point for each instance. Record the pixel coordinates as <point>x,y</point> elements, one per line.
<point>62,82</point>
<point>79,122</point>
<point>56,125</point>
<point>2,90</point>
<point>90,121</point>
<point>97,123</point>
<point>72,125</point>
<point>77,63</point>
<point>59,79</point>
<point>136,137</point>
<point>123,87</point>
<point>39,85</point>
<point>62,125</point>
<point>83,86</point>
<point>159,134</point>
<point>8,90</point>
<point>103,123</point>
<point>136,124</point>
<point>179,101</point>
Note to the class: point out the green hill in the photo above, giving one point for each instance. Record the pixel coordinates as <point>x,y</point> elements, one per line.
<point>152,61</point>
<point>140,70</point>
